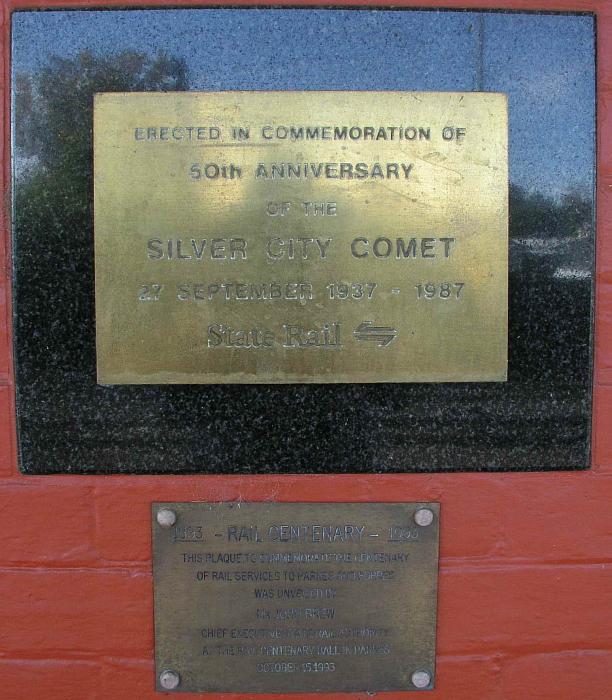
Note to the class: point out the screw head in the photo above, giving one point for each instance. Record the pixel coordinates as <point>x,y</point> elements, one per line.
<point>421,679</point>
<point>169,680</point>
<point>166,517</point>
<point>423,517</point>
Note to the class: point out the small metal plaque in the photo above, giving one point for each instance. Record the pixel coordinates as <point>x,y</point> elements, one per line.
<point>271,237</point>
<point>296,597</point>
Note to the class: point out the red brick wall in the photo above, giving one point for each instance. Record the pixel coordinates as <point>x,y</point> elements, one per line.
<point>525,604</point>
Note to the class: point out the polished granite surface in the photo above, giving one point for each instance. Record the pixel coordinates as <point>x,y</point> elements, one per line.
<point>539,419</point>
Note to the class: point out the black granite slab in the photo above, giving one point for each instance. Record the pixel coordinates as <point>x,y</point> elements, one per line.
<point>539,419</point>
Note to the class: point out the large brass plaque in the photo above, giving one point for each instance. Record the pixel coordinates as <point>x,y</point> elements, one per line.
<point>270,237</point>
<point>295,597</point>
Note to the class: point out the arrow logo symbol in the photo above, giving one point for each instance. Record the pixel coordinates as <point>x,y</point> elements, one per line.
<point>381,335</point>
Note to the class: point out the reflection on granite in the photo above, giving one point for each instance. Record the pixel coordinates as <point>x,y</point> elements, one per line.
<point>539,419</point>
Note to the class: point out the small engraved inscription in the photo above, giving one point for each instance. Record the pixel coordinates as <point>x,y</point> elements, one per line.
<point>295,597</point>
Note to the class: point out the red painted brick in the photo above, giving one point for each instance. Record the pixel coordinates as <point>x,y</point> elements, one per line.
<point>114,519</point>
<point>468,677</point>
<point>602,429</point>
<point>47,524</point>
<point>7,436</point>
<point>604,129</point>
<point>123,508</point>
<point>482,515</point>
<point>604,231</point>
<point>603,333</point>
<point>604,55</point>
<point>123,678</point>
<point>458,677</point>
<point>136,679</point>
<point>4,336</point>
<point>49,679</point>
<point>524,608</point>
<point>5,265</point>
<point>567,520</point>
<point>54,611</point>
<point>463,678</point>
<point>571,675</point>
<point>603,279</point>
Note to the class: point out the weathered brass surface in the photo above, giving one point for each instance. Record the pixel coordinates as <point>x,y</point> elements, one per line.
<point>295,597</point>
<point>352,237</point>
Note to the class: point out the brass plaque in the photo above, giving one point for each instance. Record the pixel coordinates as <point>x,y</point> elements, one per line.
<point>276,237</point>
<point>295,597</point>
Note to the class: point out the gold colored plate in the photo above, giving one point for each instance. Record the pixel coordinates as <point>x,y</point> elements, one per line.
<point>277,237</point>
<point>295,597</point>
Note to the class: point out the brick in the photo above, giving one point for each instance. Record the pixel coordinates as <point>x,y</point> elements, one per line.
<point>604,231</point>
<point>604,127</point>
<point>604,54</point>
<point>136,679</point>
<point>5,263</point>
<point>123,505</point>
<point>603,284</point>
<point>4,336</point>
<point>481,504</point>
<point>483,515</point>
<point>457,678</point>
<point>602,432</point>
<point>556,517</point>
<point>123,678</point>
<point>47,523</point>
<point>566,675</point>
<point>25,679</point>
<point>603,331</point>
<point>89,611</point>
<point>7,434</point>
<point>123,509</point>
<point>468,677</point>
<point>524,608</point>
